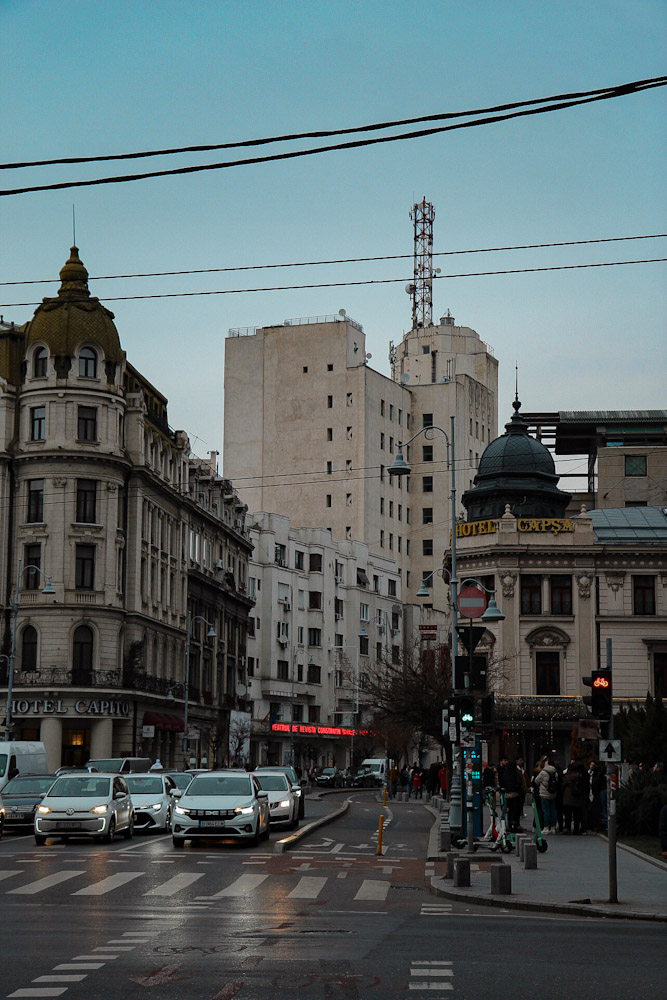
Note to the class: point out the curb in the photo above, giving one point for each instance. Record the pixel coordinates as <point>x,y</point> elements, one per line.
<point>637,854</point>
<point>280,846</point>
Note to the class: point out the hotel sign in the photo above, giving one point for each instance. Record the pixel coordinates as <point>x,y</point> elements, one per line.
<point>554,525</point>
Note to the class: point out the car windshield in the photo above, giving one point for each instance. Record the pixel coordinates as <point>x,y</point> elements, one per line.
<point>110,764</point>
<point>80,787</point>
<point>289,771</point>
<point>28,786</point>
<point>220,784</point>
<point>144,786</point>
<point>328,770</point>
<point>181,780</point>
<point>272,782</point>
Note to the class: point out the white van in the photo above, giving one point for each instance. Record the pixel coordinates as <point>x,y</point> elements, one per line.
<point>379,767</point>
<point>21,757</point>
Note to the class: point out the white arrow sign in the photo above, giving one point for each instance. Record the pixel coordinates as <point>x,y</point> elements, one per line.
<point>610,750</point>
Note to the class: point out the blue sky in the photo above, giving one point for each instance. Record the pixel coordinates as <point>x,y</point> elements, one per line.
<point>103,77</point>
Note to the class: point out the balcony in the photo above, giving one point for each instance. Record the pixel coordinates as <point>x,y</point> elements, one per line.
<point>66,677</point>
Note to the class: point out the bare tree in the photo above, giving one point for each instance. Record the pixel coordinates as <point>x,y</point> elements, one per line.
<point>239,734</point>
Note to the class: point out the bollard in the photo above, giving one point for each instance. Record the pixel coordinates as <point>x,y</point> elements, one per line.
<point>501,880</point>
<point>435,802</point>
<point>530,856</point>
<point>445,839</point>
<point>520,842</point>
<point>451,861</point>
<point>462,873</point>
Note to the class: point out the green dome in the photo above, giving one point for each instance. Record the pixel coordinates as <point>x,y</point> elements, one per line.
<point>74,317</point>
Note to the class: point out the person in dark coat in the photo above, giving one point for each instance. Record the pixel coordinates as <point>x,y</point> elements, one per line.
<point>575,794</point>
<point>513,785</point>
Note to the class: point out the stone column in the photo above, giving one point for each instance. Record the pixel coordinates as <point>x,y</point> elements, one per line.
<point>101,738</point>
<point>51,735</point>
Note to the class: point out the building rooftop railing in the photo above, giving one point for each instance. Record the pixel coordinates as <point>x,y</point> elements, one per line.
<point>342,317</point>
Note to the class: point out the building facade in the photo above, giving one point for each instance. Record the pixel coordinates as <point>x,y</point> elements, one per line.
<point>102,499</point>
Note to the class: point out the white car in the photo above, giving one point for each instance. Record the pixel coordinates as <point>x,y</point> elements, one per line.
<point>85,805</point>
<point>219,805</point>
<point>153,800</point>
<point>283,802</point>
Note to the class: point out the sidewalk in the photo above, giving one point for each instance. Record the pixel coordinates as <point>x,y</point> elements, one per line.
<point>572,877</point>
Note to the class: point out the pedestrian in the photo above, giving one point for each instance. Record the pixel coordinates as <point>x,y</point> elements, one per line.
<point>404,780</point>
<point>593,817</point>
<point>546,786</point>
<point>393,780</point>
<point>513,785</point>
<point>442,778</point>
<point>157,766</point>
<point>417,781</point>
<point>575,791</point>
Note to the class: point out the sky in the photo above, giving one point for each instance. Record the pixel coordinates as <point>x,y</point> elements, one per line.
<point>123,76</point>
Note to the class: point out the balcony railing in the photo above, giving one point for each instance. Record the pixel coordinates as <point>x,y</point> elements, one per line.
<point>71,677</point>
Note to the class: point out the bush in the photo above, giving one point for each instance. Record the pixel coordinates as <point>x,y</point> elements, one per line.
<point>638,804</point>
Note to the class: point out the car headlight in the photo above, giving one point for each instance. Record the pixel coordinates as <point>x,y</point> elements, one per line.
<point>100,810</point>
<point>245,811</point>
<point>181,811</point>
<point>42,810</point>
<point>284,804</point>
<point>157,806</point>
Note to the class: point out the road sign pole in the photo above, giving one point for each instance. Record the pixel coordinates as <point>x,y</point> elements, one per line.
<point>611,802</point>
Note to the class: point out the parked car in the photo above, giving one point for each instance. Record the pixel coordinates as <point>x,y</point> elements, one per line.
<point>283,801</point>
<point>21,757</point>
<point>296,784</point>
<point>21,796</point>
<point>329,777</point>
<point>153,799</point>
<point>90,805</point>
<point>221,804</point>
<point>366,778</point>
<point>122,765</point>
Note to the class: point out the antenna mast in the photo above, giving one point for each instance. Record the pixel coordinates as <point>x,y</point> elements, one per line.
<point>422,215</point>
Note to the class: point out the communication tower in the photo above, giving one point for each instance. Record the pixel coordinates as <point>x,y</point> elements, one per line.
<point>421,289</point>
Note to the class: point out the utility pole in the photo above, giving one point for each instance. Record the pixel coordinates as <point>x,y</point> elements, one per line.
<point>611,799</point>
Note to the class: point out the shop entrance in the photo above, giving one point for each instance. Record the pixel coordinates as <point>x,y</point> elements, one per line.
<point>75,747</point>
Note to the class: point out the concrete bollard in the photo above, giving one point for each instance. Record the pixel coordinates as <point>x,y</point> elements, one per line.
<point>520,842</point>
<point>451,861</point>
<point>501,880</point>
<point>445,839</point>
<point>530,856</point>
<point>462,873</point>
<point>435,802</point>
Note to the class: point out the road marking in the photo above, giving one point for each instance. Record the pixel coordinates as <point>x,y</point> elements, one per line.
<point>117,947</point>
<point>4,875</point>
<point>175,884</point>
<point>60,979</point>
<point>372,888</point>
<point>423,971</point>
<point>44,883</point>
<point>242,886</point>
<point>430,986</point>
<point>107,884</point>
<point>307,888</point>
<point>337,848</point>
<point>39,991</point>
<point>93,958</point>
<point>74,966</point>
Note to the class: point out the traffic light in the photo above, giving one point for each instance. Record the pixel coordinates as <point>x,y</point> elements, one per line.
<point>466,712</point>
<point>599,701</point>
<point>487,709</point>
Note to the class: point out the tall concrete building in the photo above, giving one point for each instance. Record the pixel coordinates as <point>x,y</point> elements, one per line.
<point>311,430</point>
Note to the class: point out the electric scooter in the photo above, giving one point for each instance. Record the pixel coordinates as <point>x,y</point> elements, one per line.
<point>505,840</point>
<point>540,841</point>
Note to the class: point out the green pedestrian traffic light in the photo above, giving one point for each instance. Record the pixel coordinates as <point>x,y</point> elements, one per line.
<point>466,712</point>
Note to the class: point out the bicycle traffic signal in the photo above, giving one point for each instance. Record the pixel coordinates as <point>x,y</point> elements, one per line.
<point>466,708</point>
<point>599,702</point>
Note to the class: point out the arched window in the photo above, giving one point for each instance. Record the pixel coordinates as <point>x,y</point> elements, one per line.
<point>40,361</point>
<point>29,648</point>
<point>82,658</point>
<point>87,363</point>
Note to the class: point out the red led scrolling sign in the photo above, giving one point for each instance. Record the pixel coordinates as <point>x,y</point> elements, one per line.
<point>306,730</point>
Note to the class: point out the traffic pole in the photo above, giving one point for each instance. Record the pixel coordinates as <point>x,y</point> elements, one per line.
<point>611,801</point>
<point>380,825</point>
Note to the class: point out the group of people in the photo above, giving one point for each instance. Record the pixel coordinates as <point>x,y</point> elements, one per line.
<point>416,780</point>
<point>568,800</point>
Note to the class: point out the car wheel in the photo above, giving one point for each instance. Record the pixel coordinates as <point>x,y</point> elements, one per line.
<point>40,840</point>
<point>178,841</point>
<point>167,822</point>
<point>129,833</point>
<point>111,832</point>
<point>265,835</point>
<point>254,840</point>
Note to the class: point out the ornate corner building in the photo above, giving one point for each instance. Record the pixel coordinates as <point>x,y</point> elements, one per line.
<point>144,548</point>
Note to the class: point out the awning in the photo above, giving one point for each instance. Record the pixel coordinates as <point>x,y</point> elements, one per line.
<point>362,578</point>
<point>173,723</point>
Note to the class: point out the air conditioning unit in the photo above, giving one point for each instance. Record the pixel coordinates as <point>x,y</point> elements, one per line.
<point>394,631</point>
<point>287,606</point>
<point>283,640</point>
<point>380,628</point>
<point>337,617</point>
<point>220,564</point>
<point>339,579</point>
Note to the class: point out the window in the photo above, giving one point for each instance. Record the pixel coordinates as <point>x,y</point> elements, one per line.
<point>280,555</point>
<point>531,594</point>
<point>330,368</point>
<point>400,512</point>
<point>391,411</point>
<point>364,645</point>
<point>391,541</point>
<point>37,423</point>
<point>348,499</point>
<point>283,591</point>
<point>400,416</point>
<point>427,484</point>
<point>382,505</point>
<point>329,433</point>
<point>427,515</point>
<point>29,648</point>
<point>282,630</point>
<point>39,363</point>
<point>86,492</point>
<point>314,636</point>
<point>659,675</point>
<point>315,600</point>
<point>382,407</point>
<point>299,673</point>
<point>363,613</point>
<point>391,588</point>
<point>427,420</point>
<point>339,607</point>
<point>82,655</point>
<point>315,562</point>
<point>314,674</point>
<point>35,500</point>
<point>87,423</point>
<point>382,473</point>
<point>275,710</point>
<point>283,670</point>
<point>328,499</point>
<point>381,538</point>
<point>329,468</point>
<point>299,559</point>
<point>313,714</point>
<point>84,578</point>
<point>376,583</point>
<point>33,558</point>
<point>297,713</point>
<point>330,402</point>
<point>547,672</point>
<point>391,508</point>
<point>425,349</point>
<point>643,595</point>
<point>561,595</point>
<point>382,441</point>
<point>87,363</point>
<point>635,465</point>
<point>427,453</point>
<point>391,445</point>
<point>427,546</point>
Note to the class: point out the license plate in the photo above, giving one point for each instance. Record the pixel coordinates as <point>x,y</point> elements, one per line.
<point>203,823</point>
<point>68,826</point>
<point>16,816</point>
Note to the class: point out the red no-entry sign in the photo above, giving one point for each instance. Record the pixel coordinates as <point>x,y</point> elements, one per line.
<point>471,602</point>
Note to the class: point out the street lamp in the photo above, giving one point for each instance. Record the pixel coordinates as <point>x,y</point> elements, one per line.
<point>14,606</point>
<point>355,691</point>
<point>186,687</point>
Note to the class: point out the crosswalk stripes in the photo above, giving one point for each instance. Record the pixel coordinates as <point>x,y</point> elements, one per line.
<point>107,884</point>
<point>175,884</point>
<point>439,909</point>
<point>44,883</point>
<point>431,976</point>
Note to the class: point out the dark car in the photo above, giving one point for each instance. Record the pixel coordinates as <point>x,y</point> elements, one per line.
<point>366,778</point>
<point>21,796</point>
<point>329,777</point>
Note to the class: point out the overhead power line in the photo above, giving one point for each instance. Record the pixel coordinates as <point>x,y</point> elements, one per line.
<point>543,107</point>
<point>339,260</point>
<point>351,284</point>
